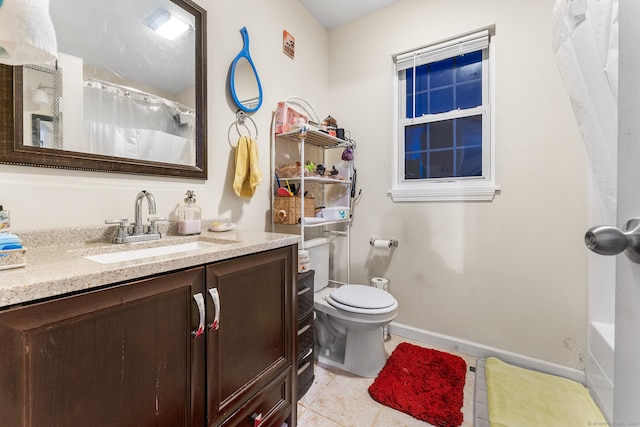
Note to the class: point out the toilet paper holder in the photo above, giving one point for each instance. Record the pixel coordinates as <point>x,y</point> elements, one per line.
<point>375,242</point>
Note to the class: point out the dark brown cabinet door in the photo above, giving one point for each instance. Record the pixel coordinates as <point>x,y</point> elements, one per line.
<point>252,347</point>
<point>122,356</point>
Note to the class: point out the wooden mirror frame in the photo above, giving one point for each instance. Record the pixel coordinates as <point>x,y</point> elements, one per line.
<point>13,151</point>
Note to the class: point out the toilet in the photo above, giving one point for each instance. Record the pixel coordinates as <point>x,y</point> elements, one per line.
<point>349,319</point>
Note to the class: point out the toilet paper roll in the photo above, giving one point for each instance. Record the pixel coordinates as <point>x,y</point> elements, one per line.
<point>379,282</point>
<point>382,244</point>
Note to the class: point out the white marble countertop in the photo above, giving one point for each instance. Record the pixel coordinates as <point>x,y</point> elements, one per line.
<point>56,265</point>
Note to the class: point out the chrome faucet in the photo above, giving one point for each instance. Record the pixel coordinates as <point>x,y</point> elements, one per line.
<point>137,232</point>
<point>138,228</point>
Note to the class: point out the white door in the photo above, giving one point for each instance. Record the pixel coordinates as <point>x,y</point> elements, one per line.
<point>626,393</point>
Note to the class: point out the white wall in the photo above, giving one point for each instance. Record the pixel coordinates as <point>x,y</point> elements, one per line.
<point>510,273</point>
<point>42,198</point>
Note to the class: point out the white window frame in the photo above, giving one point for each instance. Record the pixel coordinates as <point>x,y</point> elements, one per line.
<point>447,189</point>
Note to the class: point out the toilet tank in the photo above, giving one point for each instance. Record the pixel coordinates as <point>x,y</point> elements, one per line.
<point>319,260</point>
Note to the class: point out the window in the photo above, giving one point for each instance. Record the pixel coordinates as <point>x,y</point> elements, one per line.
<point>444,141</point>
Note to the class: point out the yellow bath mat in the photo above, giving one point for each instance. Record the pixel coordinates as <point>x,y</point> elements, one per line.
<point>520,397</point>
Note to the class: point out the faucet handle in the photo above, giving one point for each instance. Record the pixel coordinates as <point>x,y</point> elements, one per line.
<point>153,228</point>
<point>122,231</point>
<point>122,222</point>
<point>154,219</point>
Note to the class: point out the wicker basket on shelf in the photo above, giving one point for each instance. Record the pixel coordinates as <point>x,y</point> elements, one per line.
<point>286,210</point>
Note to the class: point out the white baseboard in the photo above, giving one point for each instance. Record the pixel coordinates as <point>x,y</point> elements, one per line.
<point>446,342</point>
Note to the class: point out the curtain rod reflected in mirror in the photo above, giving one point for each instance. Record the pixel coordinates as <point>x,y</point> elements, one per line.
<point>143,148</point>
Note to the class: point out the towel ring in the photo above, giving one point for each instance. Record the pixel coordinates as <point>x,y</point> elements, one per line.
<point>241,119</point>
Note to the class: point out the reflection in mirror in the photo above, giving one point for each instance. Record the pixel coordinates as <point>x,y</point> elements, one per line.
<point>125,98</point>
<point>41,130</point>
<point>41,101</point>
<point>244,82</point>
<point>123,122</point>
<point>137,102</point>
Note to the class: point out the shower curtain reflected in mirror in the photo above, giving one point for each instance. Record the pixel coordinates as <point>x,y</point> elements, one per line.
<point>122,122</point>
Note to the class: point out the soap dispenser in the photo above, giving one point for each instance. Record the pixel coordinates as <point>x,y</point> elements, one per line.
<point>189,216</point>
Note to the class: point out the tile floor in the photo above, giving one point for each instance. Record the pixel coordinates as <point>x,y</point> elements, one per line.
<point>340,399</point>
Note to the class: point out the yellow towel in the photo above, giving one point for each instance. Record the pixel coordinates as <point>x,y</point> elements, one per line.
<point>248,175</point>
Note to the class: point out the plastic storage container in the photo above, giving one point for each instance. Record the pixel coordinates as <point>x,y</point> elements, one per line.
<point>336,213</point>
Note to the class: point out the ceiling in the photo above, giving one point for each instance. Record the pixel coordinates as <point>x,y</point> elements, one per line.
<point>110,48</point>
<point>333,13</point>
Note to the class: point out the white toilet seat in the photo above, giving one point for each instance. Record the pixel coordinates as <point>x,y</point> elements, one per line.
<point>362,299</point>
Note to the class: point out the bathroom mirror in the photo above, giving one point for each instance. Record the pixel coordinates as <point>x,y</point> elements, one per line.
<point>126,63</point>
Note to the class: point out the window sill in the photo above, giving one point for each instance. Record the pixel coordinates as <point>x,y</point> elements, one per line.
<point>445,193</point>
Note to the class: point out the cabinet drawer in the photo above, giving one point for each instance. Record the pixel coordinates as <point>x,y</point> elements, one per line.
<point>306,335</point>
<point>272,402</point>
<point>305,280</point>
<point>306,373</point>
<point>305,294</point>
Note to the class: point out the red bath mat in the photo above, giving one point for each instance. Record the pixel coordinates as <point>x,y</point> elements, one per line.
<point>426,384</point>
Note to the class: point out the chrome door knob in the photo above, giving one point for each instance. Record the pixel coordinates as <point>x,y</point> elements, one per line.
<point>610,240</point>
<point>606,240</point>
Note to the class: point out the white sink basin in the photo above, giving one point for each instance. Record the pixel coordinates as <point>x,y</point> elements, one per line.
<point>134,254</point>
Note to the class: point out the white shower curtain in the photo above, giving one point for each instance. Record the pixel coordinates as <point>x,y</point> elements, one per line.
<point>585,42</point>
<point>124,124</point>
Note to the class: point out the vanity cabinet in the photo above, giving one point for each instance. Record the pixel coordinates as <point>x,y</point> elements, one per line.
<point>250,356</point>
<point>121,356</point>
<point>141,354</point>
